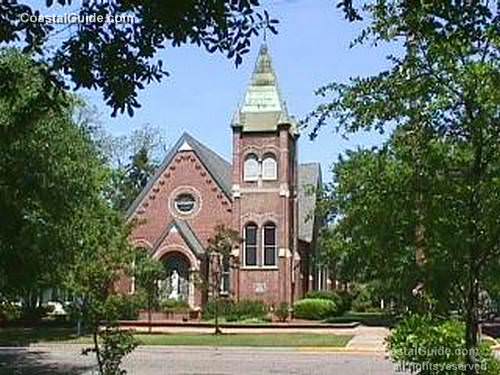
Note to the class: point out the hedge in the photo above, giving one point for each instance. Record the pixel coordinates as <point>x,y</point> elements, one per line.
<point>314,308</point>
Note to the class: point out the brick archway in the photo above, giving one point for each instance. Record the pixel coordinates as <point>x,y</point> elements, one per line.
<point>180,253</point>
<point>163,253</point>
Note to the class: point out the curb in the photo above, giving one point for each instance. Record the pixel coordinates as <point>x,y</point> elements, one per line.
<point>301,349</point>
<point>327,349</point>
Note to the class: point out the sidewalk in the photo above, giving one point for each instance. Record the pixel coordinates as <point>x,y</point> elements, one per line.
<point>369,339</point>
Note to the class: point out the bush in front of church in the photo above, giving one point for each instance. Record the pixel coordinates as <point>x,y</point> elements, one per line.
<point>235,311</point>
<point>126,307</point>
<point>342,299</point>
<point>314,308</point>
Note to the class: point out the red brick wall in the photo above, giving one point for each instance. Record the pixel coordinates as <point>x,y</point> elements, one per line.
<point>260,202</point>
<point>154,214</point>
<point>185,173</point>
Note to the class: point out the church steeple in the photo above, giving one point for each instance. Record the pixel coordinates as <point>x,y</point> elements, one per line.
<point>263,108</point>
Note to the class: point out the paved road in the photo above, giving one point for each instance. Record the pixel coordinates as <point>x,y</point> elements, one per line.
<point>197,361</point>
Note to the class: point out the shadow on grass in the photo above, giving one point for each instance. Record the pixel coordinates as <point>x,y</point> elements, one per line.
<point>23,361</point>
<point>19,336</point>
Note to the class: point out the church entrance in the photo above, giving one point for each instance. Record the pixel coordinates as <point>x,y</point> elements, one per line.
<point>177,284</point>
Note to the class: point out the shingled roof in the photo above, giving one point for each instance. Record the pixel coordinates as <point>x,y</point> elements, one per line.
<point>219,168</point>
<point>309,179</point>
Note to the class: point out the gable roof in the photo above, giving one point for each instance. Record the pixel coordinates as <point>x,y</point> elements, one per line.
<point>309,177</point>
<point>217,167</point>
<point>187,234</point>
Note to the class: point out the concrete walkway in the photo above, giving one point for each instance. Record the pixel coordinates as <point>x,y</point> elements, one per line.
<point>369,339</point>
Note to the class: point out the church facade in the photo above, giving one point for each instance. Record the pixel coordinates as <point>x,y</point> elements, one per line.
<point>263,193</point>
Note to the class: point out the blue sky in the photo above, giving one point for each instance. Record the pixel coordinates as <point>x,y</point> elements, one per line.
<point>203,90</point>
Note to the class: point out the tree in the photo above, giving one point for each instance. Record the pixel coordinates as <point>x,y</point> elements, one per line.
<point>56,226</point>
<point>148,271</point>
<point>105,257</point>
<point>119,57</point>
<point>220,261</point>
<point>50,176</point>
<point>441,91</point>
<point>132,158</point>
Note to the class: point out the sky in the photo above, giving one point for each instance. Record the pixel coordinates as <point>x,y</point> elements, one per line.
<point>203,90</point>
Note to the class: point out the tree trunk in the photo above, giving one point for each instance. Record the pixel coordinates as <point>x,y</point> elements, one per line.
<point>96,349</point>
<point>149,314</point>
<point>217,328</point>
<point>472,328</point>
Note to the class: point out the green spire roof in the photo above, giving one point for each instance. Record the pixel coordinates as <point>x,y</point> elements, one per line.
<point>263,108</point>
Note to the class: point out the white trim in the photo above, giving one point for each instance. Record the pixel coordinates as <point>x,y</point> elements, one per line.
<point>185,147</point>
<point>269,157</point>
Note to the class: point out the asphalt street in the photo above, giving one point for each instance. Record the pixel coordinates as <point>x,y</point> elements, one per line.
<point>65,360</point>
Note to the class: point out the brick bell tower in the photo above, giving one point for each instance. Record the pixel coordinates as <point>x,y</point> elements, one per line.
<point>265,190</point>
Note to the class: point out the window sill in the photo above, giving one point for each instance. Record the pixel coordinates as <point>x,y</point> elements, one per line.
<point>259,268</point>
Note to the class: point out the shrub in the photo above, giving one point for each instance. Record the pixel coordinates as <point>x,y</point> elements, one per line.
<point>342,299</point>
<point>363,301</point>
<point>234,311</point>
<point>9,312</point>
<point>314,308</point>
<point>173,305</point>
<point>246,309</point>
<point>282,312</point>
<point>35,313</point>
<point>430,347</point>
<point>126,307</point>
<point>116,344</point>
<point>224,306</point>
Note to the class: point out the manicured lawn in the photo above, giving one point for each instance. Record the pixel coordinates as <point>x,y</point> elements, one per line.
<point>21,336</point>
<point>368,318</point>
<point>243,339</point>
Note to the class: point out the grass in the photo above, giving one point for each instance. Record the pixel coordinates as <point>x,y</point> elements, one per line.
<point>242,339</point>
<point>25,336</point>
<point>365,318</point>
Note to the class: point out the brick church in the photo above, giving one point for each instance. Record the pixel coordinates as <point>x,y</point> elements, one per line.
<point>264,193</point>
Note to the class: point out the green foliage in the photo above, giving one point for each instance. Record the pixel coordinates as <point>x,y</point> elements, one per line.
<point>9,312</point>
<point>314,309</point>
<point>342,299</point>
<point>282,312</point>
<point>119,59</point>
<point>116,344</point>
<point>431,347</point>
<point>174,305</point>
<point>51,179</point>
<point>224,308</point>
<point>420,214</point>
<point>220,261</point>
<point>126,307</point>
<point>235,311</point>
<point>363,300</point>
<point>36,313</point>
<point>148,271</point>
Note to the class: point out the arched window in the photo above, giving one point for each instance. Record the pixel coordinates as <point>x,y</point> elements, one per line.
<point>270,248</point>
<point>269,167</point>
<point>250,245</point>
<point>251,168</point>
